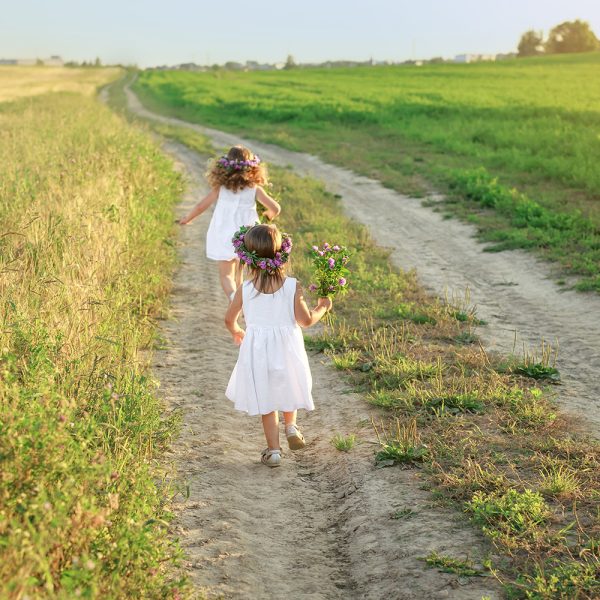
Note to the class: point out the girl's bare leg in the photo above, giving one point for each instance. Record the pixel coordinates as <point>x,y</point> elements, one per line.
<point>290,418</point>
<point>270,424</point>
<point>228,275</point>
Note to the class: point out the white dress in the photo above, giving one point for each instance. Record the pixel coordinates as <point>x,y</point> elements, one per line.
<point>233,209</point>
<point>272,371</point>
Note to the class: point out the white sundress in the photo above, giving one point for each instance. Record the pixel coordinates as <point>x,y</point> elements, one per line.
<point>272,370</point>
<point>232,210</point>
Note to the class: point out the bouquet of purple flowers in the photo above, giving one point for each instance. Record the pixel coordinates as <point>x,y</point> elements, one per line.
<point>330,271</point>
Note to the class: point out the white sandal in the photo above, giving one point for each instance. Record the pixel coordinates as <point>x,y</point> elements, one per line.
<point>271,458</point>
<point>295,438</point>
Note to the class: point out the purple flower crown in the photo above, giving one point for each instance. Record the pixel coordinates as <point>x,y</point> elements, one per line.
<point>234,164</point>
<point>250,259</point>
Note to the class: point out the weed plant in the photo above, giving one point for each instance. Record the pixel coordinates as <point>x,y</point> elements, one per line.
<point>399,443</point>
<point>447,564</point>
<point>344,443</point>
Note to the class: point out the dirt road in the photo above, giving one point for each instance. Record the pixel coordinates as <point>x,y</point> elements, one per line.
<point>321,526</point>
<point>512,290</point>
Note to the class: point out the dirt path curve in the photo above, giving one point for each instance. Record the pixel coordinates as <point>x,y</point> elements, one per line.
<point>513,291</point>
<point>320,526</point>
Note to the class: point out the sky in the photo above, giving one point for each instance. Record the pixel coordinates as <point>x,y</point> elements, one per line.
<point>152,32</point>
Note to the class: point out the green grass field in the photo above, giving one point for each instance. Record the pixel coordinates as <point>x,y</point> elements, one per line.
<point>476,131</point>
<point>85,262</point>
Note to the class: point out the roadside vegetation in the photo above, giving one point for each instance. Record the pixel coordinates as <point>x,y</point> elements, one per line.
<point>514,144</point>
<point>483,428</point>
<point>86,255</point>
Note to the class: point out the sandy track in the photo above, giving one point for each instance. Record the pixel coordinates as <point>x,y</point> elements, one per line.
<point>513,291</point>
<point>320,526</point>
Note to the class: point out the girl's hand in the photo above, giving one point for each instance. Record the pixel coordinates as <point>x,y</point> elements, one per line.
<point>238,336</point>
<point>272,208</point>
<point>182,221</point>
<point>325,303</point>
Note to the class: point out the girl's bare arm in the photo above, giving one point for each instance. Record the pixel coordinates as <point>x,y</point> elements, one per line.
<point>232,315</point>
<point>209,199</point>
<point>306,317</point>
<point>272,206</point>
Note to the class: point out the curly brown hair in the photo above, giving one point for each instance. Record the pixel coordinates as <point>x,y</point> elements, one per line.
<point>237,180</point>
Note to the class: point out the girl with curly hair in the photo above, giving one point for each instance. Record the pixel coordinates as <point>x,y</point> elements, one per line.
<point>236,181</point>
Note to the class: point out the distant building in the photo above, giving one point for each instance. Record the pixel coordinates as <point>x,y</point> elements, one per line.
<point>252,65</point>
<point>471,58</point>
<point>340,64</point>
<point>54,61</point>
<point>189,67</point>
<point>506,56</point>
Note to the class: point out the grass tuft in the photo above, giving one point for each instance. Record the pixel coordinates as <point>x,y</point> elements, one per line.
<point>559,481</point>
<point>447,564</point>
<point>344,443</point>
<point>400,445</point>
<point>510,513</point>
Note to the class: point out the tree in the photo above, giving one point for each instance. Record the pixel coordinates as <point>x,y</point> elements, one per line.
<point>572,36</point>
<point>290,63</point>
<point>97,62</point>
<point>531,43</point>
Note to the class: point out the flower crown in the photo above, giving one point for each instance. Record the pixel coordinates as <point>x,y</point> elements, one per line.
<point>250,259</point>
<point>235,164</point>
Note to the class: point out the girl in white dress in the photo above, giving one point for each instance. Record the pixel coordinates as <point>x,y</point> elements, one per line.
<point>236,180</point>
<point>272,371</point>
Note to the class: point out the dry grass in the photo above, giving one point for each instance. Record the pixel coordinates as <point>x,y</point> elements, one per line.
<point>18,82</point>
<point>85,261</point>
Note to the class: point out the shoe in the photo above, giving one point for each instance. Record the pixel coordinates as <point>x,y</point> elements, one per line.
<point>271,458</point>
<point>294,437</point>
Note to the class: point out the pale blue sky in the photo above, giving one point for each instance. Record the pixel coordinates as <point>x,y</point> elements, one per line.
<point>152,32</point>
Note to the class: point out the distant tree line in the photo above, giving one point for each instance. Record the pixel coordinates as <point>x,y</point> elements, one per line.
<point>570,36</point>
<point>85,63</point>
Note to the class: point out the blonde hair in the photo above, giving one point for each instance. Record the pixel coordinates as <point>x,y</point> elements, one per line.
<point>235,180</point>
